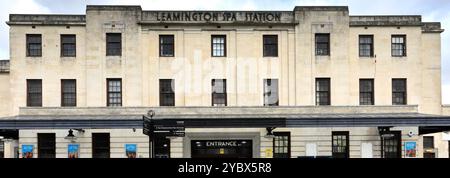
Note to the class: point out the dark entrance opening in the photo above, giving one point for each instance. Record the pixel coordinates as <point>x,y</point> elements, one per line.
<point>161,146</point>
<point>221,149</point>
<point>391,144</point>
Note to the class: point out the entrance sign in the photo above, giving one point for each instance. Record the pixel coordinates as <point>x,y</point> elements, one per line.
<point>221,148</point>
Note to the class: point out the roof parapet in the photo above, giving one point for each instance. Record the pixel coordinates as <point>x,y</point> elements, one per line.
<point>432,27</point>
<point>112,8</point>
<point>399,20</point>
<point>321,8</point>
<point>46,19</point>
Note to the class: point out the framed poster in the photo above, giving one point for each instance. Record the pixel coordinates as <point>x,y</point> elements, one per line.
<point>410,149</point>
<point>131,150</point>
<point>27,151</point>
<point>73,151</point>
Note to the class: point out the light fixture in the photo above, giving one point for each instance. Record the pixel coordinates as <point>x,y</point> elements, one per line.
<point>70,136</point>
<point>151,113</point>
<point>270,132</point>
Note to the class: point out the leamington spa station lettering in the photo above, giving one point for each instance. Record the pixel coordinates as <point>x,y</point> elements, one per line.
<point>220,16</point>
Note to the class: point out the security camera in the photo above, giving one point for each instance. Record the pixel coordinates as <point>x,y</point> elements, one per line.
<point>410,134</point>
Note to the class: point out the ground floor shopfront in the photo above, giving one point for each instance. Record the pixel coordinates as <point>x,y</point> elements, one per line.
<point>363,142</point>
<point>352,132</point>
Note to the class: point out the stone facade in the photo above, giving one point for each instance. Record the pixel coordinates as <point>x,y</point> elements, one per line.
<point>140,67</point>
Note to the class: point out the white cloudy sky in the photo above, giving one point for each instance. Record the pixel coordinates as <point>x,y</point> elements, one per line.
<point>431,10</point>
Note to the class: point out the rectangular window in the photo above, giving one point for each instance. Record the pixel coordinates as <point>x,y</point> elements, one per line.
<point>391,145</point>
<point>68,46</point>
<point>100,145</point>
<point>322,44</point>
<point>428,142</point>
<point>113,44</point>
<point>34,93</point>
<point>282,145</point>
<point>340,145</point>
<point>270,45</point>
<point>398,45</point>
<point>114,87</point>
<point>323,91</point>
<point>46,145</point>
<point>271,92</point>
<point>399,93</point>
<point>366,92</point>
<point>34,45</point>
<point>218,45</point>
<point>167,92</point>
<point>166,45</point>
<point>219,92</point>
<point>68,93</point>
<point>366,45</point>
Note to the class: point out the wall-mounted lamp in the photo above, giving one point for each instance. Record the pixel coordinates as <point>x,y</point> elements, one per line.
<point>70,136</point>
<point>270,132</point>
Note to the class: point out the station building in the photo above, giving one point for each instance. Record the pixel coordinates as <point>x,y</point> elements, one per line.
<point>311,82</point>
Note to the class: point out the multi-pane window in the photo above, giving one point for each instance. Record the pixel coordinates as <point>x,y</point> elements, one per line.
<point>114,92</point>
<point>270,45</point>
<point>46,145</point>
<point>34,45</point>
<point>366,45</point>
<point>219,92</point>
<point>166,92</point>
<point>100,145</point>
<point>68,46</point>
<point>366,92</point>
<point>166,45</point>
<point>271,92</point>
<point>34,93</point>
<point>340,145</point>
<point>68,93</point>
<point>399,92</point>
<point>218,46</point>
<point>398,45</point>
<point>428,142</point>
<point>322,44</point>
<point>282,145</point>
<point>391,145</point>
<point>114,44</point>
<point>323,91</point>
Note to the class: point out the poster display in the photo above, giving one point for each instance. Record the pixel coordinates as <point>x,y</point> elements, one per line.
<point>410,149</point>
<point>131,150</point>
<point>73,151</point>
<point>27,151</point>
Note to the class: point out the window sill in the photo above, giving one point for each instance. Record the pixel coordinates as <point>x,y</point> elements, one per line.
<point>323,57</point>
<point>33,57</point>
<point>166,57</point>
<point>68,58</point>
<point>271,58</point>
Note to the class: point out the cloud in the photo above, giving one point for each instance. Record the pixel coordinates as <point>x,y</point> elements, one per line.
<point>16,7</point>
